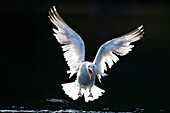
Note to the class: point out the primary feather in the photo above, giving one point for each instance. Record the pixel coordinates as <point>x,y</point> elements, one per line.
<point>73,45</point>
<point>120,46</point>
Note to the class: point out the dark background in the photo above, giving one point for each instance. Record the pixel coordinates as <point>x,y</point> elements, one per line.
<point>32,65</point>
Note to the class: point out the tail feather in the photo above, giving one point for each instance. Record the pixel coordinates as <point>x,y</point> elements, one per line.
<point>96,91</point>
<point>72,90</point>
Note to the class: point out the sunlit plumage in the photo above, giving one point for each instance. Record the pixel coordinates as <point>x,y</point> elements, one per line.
<point>74,54</point>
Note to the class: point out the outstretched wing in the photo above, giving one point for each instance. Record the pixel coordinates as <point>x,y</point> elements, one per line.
<point>73,45</point>
<point>120,46</point>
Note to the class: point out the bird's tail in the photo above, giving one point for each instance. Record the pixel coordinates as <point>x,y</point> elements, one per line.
<point>72,90</point>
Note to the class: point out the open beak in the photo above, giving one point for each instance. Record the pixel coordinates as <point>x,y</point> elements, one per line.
<point>90,72</point>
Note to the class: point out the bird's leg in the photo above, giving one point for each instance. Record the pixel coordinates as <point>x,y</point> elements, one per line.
<point>79,94</point>
<point>90,92</point>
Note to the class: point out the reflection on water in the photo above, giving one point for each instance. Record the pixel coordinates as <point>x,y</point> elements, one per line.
<point>62,105</point>
<point>138,110</point>
<point>57,100</point>
<point>56,111</point>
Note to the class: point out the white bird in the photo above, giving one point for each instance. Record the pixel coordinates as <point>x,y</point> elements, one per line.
<point>74,53</point>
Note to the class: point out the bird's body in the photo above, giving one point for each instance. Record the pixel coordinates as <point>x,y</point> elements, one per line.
<point>73,46</point>
<point>83,75</point>
<point>83,83</point>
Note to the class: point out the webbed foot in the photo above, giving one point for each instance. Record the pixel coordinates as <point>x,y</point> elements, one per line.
<point>90,95</point>
<point>79,94</point>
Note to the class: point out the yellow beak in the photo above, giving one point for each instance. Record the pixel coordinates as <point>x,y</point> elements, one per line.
<point>90,72</point>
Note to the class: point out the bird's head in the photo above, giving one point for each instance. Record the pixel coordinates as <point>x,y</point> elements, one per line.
<point>90,70</point>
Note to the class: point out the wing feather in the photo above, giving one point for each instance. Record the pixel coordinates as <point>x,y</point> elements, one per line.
<point>120,46</point>
<point>73,45</point>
